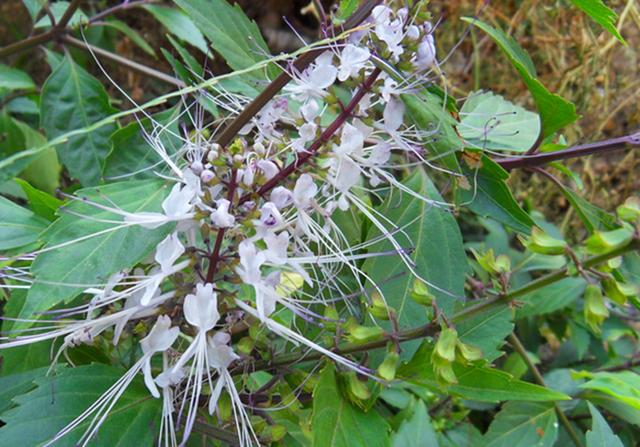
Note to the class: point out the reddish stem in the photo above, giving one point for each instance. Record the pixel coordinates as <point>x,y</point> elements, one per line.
<point>599,147</point>
<point>214,259</point>
<point>324,137</point>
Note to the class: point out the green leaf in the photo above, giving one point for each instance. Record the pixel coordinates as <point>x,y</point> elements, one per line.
<point>131,34</point>
<point>231,33</point>
<point>179,25</point>
<point>17,384</point>
<point>490,122</point>
<point>462,435</point>
<point>58,399</point>
<point>475,382</point>
<point>622,385</point>
<point>592,217</point>
<point>600,434</point>
<point>345,9</point>
<point>94,259</point>
<point>43,204</point>
<point>428,229</point>
<point>131,155</point>
<point>490,196</point>
<point>602,14</point>
<point>550,298</point>
<point>18,226</point>
<point>33,6</point>
<point>79,100</point>
<point>14,79</point>
<point>416,430</point>
<point>428,114</point>
<point>523,424</point>
<point>555,112</point>
<point>58,9</point>
<point>337,423</point>
<point>43,171</point>
<point>487,331</point>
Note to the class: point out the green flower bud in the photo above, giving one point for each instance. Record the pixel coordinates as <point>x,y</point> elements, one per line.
<point>379,308</point>
<point>468,353</point>
<point>540,242</point>
<point>446,345</point>
<point>364,334</point>
<point>629,211</point>
<point>245,345</point>
<point>387,369</point>
<point>619,291</point>
<point>420,293</point>
<point>595,310</point>
<point>357,391</point>
<point>605,241</point>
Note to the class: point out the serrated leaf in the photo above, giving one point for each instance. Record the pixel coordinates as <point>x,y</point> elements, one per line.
<point>602,14</point>
<point>62,273</point>
<point>490,122</point>
<point>523,424</point>
<point>600,434</point>
<point>555,112</point>
<point>42,204</point>
<point>79,100</point>
<point>230,32</point>
<point>179,25</point>
<point>337,423</point>
<point>550,298</point>
<point>58,399</point>
<point>17,384</point>
<point>18,225</point>
<point>416,430</point>
<point>427,229</point>
<point>479,383</point>
<point>14,79</point>
<point>490,196</point>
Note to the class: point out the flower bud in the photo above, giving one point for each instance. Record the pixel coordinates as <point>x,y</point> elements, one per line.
<point>542,243</point>
<point>207,175</point>
<point>605,241</point>
<point>388,367</point>
<point>595,309</point>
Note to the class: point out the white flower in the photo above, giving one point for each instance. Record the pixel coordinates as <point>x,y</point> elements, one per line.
<point>159,339</point>
<point>168,251</point>
<point>201,309</point>
<point>220,354</point>
<point>346,173</point>
<point>351,141</point>
<point>393,115</point>
<point>307,133</point>
<point>313,82</point>
<point>221,217</point>
<point>426,52</point>
<point>388,30</point>
<point>276,252</point>
<point>177,206</point>
<point>388,89</point>
<point>250,263</point>
<point>310,110</point>
<point>281,197</point>
<point>268,168</point>
<point>352,60</point>
<point>304,191</point>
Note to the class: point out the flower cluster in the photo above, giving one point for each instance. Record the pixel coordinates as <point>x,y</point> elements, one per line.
<point>257,218</point>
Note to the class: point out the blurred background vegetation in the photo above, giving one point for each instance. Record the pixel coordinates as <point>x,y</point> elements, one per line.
<point>574,58</point>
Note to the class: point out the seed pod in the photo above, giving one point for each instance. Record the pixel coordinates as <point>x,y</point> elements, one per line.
<point>468,353</point>
<point>364,334</point>
<point>387,369</point>
<point>446,345</point>
<point>420,293</point>
<point>619,292</point>
<point>379,308</point>
<point>595,310</point>
<point>629,211</point>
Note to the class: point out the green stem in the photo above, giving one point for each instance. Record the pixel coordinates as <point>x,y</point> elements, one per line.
<point>430,329</point>
<point>518,346</point>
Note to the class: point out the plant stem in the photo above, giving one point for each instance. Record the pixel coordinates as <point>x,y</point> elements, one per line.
<point>119,7</point>
<point>431,328</point>
<point>303,61</point>
<point>29,42</point>
<point>517,345</point>
<point>68,14</point>
<point>120,60</point>
<point>599,147</point>
<point>324,137</point>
